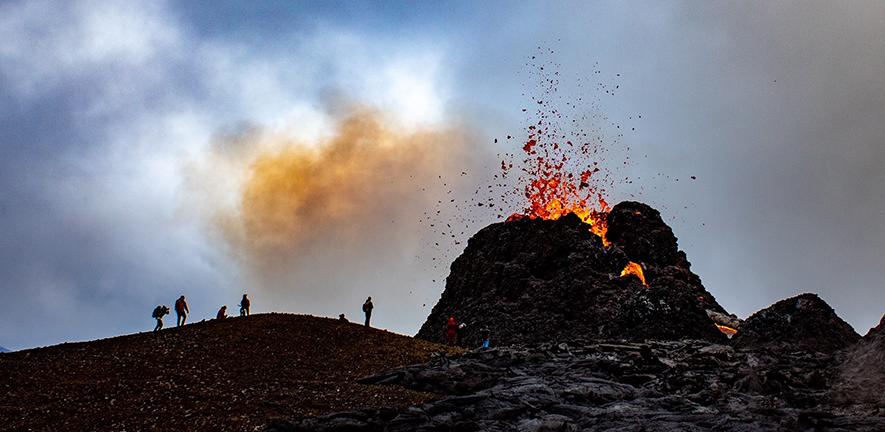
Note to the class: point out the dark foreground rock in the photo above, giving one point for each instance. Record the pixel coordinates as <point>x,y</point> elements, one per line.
<point>862,372</point>
<point>803,322</point>
<point>658,385</point>
<point>535,281</point>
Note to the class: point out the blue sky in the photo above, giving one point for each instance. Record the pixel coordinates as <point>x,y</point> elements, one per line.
<point>107,107</point>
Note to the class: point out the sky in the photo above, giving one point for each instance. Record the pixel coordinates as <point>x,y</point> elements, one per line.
<point>147,149</point>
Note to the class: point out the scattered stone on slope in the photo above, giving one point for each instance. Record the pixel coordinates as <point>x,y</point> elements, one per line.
<point>803,322</point>
<point>233,374</point>
<point>532,280</point>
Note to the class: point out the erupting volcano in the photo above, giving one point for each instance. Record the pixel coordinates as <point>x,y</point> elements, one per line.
<point>567,265</point>
<point>532,280</point>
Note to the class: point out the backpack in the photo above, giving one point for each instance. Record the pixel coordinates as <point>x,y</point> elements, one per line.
<point>158,312</point>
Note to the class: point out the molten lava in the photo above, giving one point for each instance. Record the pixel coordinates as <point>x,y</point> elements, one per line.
<point>563,169</point>
<point>634,269</point>
<point>726,330</point>
<point>553,192</point>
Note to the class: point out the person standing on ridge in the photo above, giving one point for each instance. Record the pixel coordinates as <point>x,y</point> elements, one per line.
<point>159,311</point>
<point>181,310</point>
<point>222,313</point>
<point>367,308</point>
<point>244,305</point>
<point>452,331</point>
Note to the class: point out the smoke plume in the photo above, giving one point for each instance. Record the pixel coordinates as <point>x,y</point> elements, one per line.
<point>341,216</point>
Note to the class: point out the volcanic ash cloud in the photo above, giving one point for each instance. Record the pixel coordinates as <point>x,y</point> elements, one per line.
<point>326,217</point>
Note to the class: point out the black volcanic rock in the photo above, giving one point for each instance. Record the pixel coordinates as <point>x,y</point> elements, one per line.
<point>862,371</point>
<point>803,322</point>
<point>532,280</point>
<point>604,386</point>
<point>641,233</point>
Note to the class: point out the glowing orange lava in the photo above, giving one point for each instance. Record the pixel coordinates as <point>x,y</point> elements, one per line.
<point>634,269</point>
<point>727,330</point>
<point>553,192</point>
<point>563,167</point>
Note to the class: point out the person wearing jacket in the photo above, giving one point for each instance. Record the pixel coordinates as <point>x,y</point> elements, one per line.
<point>181,310</point>
<point>452,331</point>
<point>159,311</point>
<point>245,303</point>
<point>367,308</point>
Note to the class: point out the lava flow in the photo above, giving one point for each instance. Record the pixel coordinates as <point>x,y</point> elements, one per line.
<point>726,330</point>
<point>633,268</point>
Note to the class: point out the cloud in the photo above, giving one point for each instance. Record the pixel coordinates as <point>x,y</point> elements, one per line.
<point>108,103</point>
<point>109,108</point>
<point>43,44</point>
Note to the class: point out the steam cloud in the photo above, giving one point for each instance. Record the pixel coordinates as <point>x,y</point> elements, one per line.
<point>342,217</point>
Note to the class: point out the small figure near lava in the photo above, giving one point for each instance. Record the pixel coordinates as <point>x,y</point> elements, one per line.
<point>486,336</point>
<point>452,331</point>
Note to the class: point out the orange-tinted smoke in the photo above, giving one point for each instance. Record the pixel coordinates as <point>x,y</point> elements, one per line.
<point>358,193</point>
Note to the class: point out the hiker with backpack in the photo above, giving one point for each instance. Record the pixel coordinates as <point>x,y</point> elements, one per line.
<point>181,310</point>
<point>159,311</point>
<point>244,305</point>
<point>367,308</point>
<point>222,313</point>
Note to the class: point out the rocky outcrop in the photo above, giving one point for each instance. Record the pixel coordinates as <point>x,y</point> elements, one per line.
<point>803,322</point>
<point>661,386</point>
<point>862,372</point>
<point>533,281</point>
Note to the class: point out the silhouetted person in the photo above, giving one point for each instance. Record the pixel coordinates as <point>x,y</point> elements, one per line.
<point>367,308</point>
<point>181,310</point>
<point>452,331</point>
<point>244,305</point>
<point>342,318</point>
<point>222,313</point>
<point>159,311</point>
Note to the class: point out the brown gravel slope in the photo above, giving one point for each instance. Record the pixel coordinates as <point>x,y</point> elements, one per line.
<point>235,374</point>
